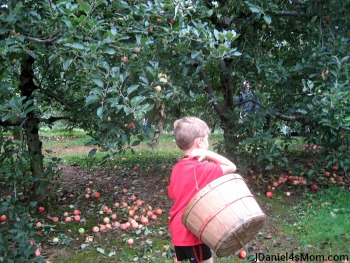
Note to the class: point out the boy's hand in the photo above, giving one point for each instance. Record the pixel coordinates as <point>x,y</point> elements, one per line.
<point>199,154</point>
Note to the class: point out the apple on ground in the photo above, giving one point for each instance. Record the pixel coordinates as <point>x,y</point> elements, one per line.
<point>314,187</point>
<point>242,254</point>
<point>269,194</point>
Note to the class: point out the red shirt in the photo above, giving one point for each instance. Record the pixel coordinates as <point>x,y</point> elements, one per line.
<point>186,176</point>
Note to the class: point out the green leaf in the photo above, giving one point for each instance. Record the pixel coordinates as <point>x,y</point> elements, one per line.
<point>98,82</point>
<point>91,99</point>
<point>253,8</point>
<point>136,142</point>
<point>112,253</point>
<point>137,100</point>
<point>304,112</point>
<point>132,88</point>
<point>114,31</point>
<point>92,152</point>
<point>100,112</point>
<point>109,51</point>
<point>100,250</point>
<point>67,63</point>
<point>84,6</point>
<point>74,45</point>
<point>267,19</point>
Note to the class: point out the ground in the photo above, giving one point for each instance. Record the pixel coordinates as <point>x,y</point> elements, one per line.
<point>152,189</point>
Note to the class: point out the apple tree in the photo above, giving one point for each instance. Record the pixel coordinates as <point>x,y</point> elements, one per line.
<point>96,63</point>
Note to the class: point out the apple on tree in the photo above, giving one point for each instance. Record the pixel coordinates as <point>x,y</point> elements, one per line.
<point>157,88</point>
<point>3,218</point>
<point>124,59</point>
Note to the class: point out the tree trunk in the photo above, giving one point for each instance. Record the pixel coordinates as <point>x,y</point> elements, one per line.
<point>31,127</point>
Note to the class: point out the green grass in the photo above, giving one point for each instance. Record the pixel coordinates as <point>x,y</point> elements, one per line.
<point>64,132</point>
<point>324,224</point>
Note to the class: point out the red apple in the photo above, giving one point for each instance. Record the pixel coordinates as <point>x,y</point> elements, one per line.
<point>41,209</point>
<point>171,21</point>
<point>269,194</point>
<point>314,187</point>
<point>124,59</point>
<point>55,219</point>
<point>327,174</point>
<point>37,253</point>
<point>97,195</point>
<point>242,254</point>
<point>158,211</point>
<point>76,212</point>
<point>3,218</point>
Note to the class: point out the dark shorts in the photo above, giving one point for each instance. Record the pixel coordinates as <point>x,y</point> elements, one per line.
<point>195,254</point>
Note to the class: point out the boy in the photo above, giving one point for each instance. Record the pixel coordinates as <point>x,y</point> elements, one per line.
<point>198,168</point>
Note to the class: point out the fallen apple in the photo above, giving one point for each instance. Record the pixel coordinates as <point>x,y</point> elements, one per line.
<point>269,194</point>
<point>76,212</point>
<point>242,254</point>
<point>130,241</point>
<point>41,209</point>
<point>314,187</point>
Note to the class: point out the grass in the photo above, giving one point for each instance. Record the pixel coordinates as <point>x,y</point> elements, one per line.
<point>324,221</point>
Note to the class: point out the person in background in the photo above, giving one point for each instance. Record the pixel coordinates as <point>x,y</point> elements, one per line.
<point>246,98</point>
<point>198,167</point>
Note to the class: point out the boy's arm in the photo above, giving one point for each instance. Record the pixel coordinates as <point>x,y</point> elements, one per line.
<point>226,165</point>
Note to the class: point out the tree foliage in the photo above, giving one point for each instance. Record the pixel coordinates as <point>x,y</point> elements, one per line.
<point>94,63</point>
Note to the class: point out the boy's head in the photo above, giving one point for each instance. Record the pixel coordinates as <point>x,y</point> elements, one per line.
<point>187,129</point>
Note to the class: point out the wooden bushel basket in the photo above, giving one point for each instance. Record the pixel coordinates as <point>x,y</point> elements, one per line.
<point>224,215</point>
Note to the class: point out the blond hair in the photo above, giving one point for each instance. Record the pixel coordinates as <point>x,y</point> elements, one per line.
<point>187,129</point>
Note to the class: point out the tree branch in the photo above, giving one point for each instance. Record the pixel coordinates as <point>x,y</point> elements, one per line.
<point>299,118</point>
<point>290,13</point>
<point>44,40</point>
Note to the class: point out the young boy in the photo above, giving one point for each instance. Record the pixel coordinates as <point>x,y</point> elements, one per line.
<point>199,167</point>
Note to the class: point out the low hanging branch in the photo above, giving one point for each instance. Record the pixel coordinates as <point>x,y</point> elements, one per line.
<point>299,118</point>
